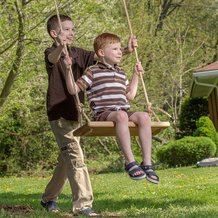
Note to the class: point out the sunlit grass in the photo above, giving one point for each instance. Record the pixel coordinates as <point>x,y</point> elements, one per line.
<point>182,192</point>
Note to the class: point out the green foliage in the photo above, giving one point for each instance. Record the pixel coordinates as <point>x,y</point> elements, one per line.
<point>192,109</point>
<point>99,146</point>
<point>186,151</point>
<point>170,57</point>
<point>26,142</point>
<point>187,40</point>
<point>206,128</point>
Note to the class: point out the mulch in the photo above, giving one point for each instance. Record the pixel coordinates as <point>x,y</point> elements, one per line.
<point>25,209</point>
<point>16,208</point>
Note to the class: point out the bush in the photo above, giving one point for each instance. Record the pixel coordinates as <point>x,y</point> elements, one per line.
<point>192,109</point>
<point>206,128</point>
<point>26,143</point>
<point>186,151</point>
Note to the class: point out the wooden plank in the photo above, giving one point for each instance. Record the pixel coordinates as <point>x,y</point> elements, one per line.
<point>106,128</point>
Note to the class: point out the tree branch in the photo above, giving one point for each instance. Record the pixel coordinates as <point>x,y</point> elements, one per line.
<point>18,59</point>
<point>165,11</point>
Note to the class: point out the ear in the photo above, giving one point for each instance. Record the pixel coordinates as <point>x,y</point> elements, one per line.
<point>100,52</point>
<point>53,33</point>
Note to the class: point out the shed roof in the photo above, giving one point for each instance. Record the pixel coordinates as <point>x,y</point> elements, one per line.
<point>212,66</point>
<point>205,79</point>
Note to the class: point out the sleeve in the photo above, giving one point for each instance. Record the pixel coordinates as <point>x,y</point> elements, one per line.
<point>83,58</point>
<point>85,81</point>
<point>46,53</point>
<point>88,58</point>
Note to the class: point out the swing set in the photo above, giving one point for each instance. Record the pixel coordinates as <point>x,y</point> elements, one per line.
<point>107,128</point>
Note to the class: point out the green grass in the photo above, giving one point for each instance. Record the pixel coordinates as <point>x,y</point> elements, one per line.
<point>183,192</point>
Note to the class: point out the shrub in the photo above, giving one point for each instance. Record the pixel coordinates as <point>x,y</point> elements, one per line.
<point>26,143</point>
<point>206,128</point>
<point>186,151</point>
<point>192,109</point>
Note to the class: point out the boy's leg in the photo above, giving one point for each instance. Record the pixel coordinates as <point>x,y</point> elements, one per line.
<point>56,184</point>
<point>122,132</point>
<point>123,136</point>
<point>143,121</point>
<point>75,167</point>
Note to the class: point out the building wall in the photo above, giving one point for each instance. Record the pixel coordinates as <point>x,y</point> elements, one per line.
<point>213,107</point>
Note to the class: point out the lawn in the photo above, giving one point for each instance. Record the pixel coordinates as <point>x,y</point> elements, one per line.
<point>183,192</point>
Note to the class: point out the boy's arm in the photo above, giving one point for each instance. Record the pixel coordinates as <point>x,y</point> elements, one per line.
<point>131,46</point>
<point>133,86</point>
<point>54,56</point>
<point>60,40</point>
<point>71,86</point>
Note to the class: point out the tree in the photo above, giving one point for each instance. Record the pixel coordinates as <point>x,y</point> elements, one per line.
<point>19,40</point>
<point>174,37</point>
<point>24,138</point>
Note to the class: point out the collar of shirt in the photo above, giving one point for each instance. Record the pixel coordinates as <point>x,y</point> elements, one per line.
<point>108,66</point>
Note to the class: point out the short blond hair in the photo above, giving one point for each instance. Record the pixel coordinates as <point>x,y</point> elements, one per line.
<point>104,39</point>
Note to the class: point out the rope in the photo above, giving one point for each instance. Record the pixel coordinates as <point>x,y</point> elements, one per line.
<point>79,105</point>
<point>137,58</point>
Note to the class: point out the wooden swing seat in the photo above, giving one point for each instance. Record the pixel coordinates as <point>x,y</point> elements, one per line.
<point>106,128</point>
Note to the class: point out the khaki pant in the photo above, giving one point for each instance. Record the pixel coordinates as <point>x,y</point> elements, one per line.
<point>70,165</point>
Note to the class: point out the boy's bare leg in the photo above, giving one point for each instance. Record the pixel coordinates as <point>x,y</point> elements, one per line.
<point>122,133</point>
<point>143,121</point>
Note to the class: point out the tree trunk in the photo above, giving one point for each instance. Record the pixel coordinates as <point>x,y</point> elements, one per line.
<point>18,58</point>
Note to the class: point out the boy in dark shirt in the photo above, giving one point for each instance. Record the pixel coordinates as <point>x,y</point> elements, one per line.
<point>63,117</point>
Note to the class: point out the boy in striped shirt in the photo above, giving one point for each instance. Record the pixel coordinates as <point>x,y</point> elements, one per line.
<point>108,92</point>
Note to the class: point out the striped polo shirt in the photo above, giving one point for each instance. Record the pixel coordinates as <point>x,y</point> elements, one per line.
<point>105,86</point>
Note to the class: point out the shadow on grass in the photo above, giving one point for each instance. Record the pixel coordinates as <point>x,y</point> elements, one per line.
<point>33,201</point>
<point>113,205</point>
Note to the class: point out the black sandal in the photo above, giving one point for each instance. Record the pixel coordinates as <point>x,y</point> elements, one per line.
<point>50,206</point>
<point>150,173</point>
<point>135,173</point>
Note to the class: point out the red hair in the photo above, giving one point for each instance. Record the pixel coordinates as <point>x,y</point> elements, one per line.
<point>104,39</point>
